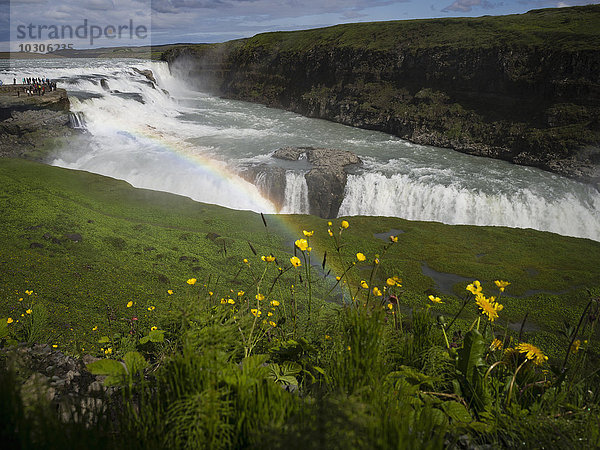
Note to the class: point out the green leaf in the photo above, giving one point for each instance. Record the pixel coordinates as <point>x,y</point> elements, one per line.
<point>3,328</point>
<point>135,362</point>
<point>104,340</point>
<point>471,354</point>
<point>156,336</point>
<point>144,339</point>
<point>457,411</point>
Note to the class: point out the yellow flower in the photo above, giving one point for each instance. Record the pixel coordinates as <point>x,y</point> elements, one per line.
<point>29,311</point>
<point>151,308</point>
<point>240,293</point>
<point>9,320</point>
<point>364,284</point>
<point>21,299</point>
<point>377,292</point>
<point>345,224</point>
<point>435,299</point>
<point>390,306</point>
<point>295,261</point>
<point>129,304</point>
<point>108,351</point>
<point>475,287</point>
<point>95,328</point>
<point>308,233</point>
<point>376,260</point>
<point>329,224</point>
<point>501,284</point>
<point>397,280</point>
<point>191,281</point>
<point>574,347</point>
<point>259,297</point>
<point>170,291</point>
<point>390,282</point>
<point>338,278</point>
<point>231,301</point>
<point>302,244</point>
<point>269,314</point>
<point>327,337</point>
<point>496,345</point>
<point>488,307</point>
<point>329,232</point>
<point>269,258</point>
<point>360,256</point>
<point>394,238</point>
<point>210,293</point>
<point>533,353</point>
<point>245,261</point>
<point>273,324</point>
<point>275,303</point>
<point>223,301</point>
<point>255,311</point>
<point>29,292</point>
<point>153,328</point>
<point>54,346</point>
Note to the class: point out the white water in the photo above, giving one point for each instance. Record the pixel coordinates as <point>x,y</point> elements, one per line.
<point>169,138</point>
<point>296,194</point>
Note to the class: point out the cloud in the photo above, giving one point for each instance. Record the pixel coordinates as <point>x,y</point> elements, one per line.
<point>466,6</point>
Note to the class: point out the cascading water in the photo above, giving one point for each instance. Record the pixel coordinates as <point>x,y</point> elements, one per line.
<point>77,120</point>
<point>166,136</point>
<point>296,194</point>
<point>403,196</point>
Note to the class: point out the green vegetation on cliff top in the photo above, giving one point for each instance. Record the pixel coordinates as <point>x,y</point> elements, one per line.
<point>572,29</point>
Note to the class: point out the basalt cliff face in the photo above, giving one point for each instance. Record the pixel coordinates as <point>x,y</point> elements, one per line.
<point>523,88</point>
<point>31,126</point>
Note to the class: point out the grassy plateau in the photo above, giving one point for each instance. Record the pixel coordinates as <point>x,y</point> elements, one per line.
<point>242,331</point>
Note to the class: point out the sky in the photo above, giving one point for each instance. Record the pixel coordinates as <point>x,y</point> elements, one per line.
<point>171,21</point>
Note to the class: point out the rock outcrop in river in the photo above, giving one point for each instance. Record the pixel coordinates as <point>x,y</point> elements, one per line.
<point>324,170</point>
<point>522,88</point>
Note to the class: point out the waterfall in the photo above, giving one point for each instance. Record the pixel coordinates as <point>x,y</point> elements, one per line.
<point>404,196</point>
<point>76,120</point>
<point>296,194</point>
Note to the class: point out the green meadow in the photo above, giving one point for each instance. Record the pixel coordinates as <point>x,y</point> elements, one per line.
<point>227,344</point>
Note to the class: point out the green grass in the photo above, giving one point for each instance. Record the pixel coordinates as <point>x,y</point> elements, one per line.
<point>136,244</point>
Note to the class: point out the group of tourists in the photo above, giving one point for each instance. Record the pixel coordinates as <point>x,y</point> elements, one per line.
<point>36,86</point>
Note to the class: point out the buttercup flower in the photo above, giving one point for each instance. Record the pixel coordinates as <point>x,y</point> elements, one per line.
<point>273,324</point>
<point>533,353</point>
<point>245,261</point>
<point>269,314</point>
<point>231,301</point>
<point>29,292</point>
<point>259,297</point>
<point>501,284</point>
<point>475,287</point>
<point>95,328</point>
<point>129,304</point>
<point>308,233</point>
<point>345,224</point>
<point>390,282</point>
<point>330,232</point>
<point>394,238</point>
<point>269,258</point>
<point>153,328</point>
<point>29,311</point>
<point>170,291</point>
<point>255,311</point>
<point>223,301</point>
<point>302,244</point>
<point>275,303</point>
<point>364,284</point>
<point>575,346</point>
<point>295,261</point>
<point>240,293</point>
<point>435,299</point>
<point>151,308</point>
<point>21,299</point>
<point>54,346</point>
<point>360,256</point>
<point>9,320</point>
<point>191,281</point>
<point>377,292</point>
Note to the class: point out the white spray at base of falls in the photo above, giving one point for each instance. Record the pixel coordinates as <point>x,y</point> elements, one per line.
<point>296,194</point>
<point>374,194</point>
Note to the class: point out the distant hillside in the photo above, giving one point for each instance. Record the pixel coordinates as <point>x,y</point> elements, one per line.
<point>523,88</point>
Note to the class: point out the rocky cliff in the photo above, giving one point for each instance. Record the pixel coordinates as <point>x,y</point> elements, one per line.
<point>523,88</point>
<point>31,126</point>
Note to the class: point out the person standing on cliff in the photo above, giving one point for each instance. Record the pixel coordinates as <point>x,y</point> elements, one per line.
<point>14,81</point>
